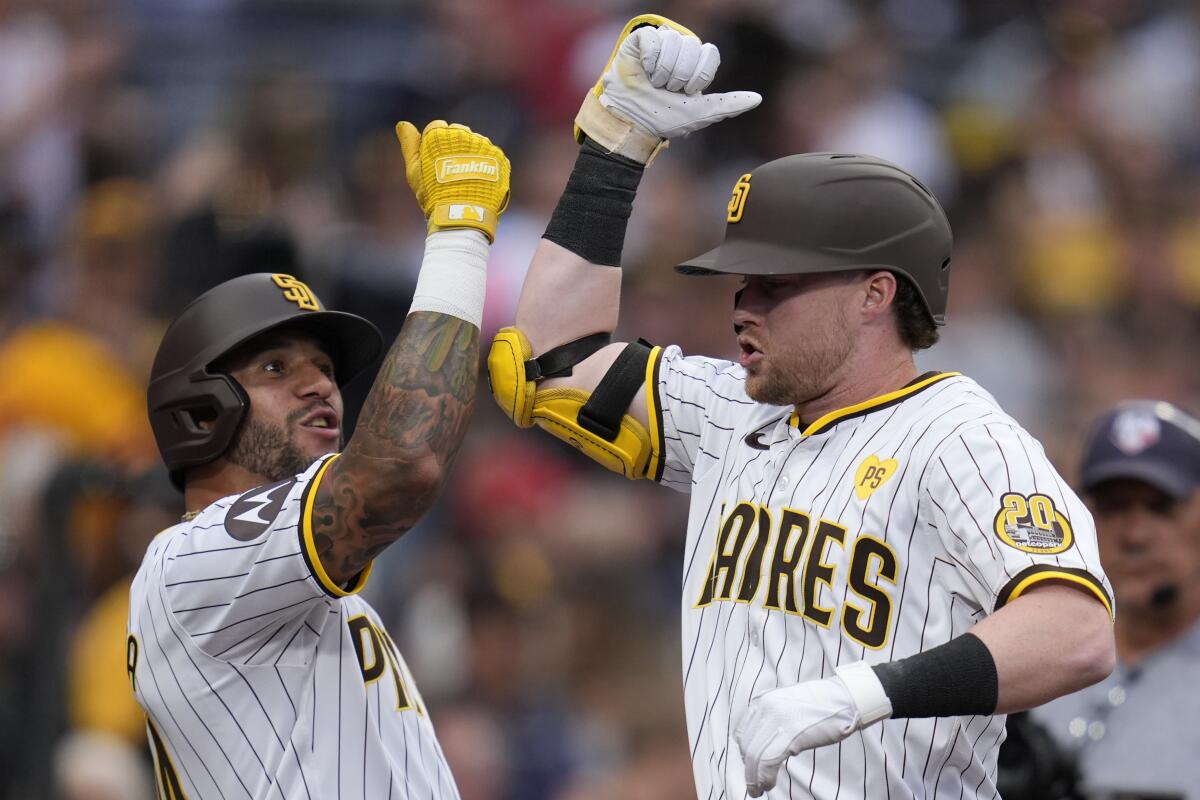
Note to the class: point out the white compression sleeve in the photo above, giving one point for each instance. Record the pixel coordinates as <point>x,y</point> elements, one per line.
<point>453,275</point>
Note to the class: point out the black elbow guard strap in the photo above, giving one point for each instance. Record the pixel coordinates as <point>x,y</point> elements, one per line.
<point>604,410</point>
<point>559,362</point>
<point>955,679</point>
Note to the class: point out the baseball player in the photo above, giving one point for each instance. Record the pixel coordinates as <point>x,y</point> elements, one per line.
<point>879,563</point>
<point>262,672</point>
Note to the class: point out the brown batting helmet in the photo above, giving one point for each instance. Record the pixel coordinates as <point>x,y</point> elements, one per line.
<point>184,389</point>
<point>834,212</point>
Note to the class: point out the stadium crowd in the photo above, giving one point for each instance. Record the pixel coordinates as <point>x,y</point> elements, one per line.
<point>150,149</point>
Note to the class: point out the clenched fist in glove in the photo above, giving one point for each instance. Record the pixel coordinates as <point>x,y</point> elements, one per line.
<point>459,177</point>
<point>651,90</point>
<point>785,722</point>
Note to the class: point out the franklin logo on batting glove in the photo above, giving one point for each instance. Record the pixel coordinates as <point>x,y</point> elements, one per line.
<point>454,168</point>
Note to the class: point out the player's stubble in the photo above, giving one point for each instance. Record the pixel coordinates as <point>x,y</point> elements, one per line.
<point>270,450</point>
<point>798,369</point>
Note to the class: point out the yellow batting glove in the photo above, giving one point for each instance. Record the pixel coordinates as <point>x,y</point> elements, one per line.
<point>460,179</point>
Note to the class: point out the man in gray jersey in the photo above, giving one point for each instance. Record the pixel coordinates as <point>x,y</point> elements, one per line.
<point>1131,733</point>
<point>262,673</point>
<point>879,564</point>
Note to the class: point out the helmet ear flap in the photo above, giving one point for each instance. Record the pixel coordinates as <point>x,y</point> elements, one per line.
<point>201,426</point>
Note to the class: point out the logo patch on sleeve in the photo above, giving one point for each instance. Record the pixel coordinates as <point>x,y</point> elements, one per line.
<point>1032,524</point>
<point>252,513</point>
<point>873,473</point>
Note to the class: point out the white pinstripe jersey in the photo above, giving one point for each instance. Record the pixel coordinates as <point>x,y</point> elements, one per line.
<point>261,678</point>
<point>876,532</point>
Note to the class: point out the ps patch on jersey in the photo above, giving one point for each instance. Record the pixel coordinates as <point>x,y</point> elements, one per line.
<point>1032,524</point>
<point>252,513</point>
<point>873,473</point>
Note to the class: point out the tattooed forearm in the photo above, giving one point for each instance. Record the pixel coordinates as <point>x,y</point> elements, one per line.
<point>423,396</point>
<point>408,433</point>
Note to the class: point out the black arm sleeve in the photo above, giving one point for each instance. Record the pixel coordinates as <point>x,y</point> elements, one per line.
<point>592,213</point>
<point>955,679</point>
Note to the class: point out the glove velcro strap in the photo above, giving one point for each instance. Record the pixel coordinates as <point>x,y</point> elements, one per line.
<point>866,690</point>
<point>604,410</point>
<point>616,135</point>
<point>559,361</point>
<point>464,215</point>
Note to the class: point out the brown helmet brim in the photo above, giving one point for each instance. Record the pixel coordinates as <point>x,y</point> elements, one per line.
<point>744,257</point>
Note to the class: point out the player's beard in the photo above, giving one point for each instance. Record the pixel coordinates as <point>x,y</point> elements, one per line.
<point>801,371</point>
<point>269,450</point>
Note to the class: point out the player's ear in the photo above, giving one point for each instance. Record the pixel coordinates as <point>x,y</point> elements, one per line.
<point>879,292</point>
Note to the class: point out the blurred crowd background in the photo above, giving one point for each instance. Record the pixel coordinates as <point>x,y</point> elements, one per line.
<point>150,149</point>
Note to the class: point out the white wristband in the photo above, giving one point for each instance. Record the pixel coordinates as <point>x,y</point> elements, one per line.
<point>453,275</point>
<point>866,691</point>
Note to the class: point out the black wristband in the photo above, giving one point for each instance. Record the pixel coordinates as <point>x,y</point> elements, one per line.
<point>955,679</point>
<point>591,215</point>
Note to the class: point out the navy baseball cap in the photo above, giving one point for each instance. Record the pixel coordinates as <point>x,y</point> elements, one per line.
<point>1147,440</point>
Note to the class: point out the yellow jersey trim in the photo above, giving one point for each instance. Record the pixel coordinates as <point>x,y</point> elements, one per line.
<point>1025,580</point>
<point>310,550</point>
<point>654,467</point>
<point>867,406</point>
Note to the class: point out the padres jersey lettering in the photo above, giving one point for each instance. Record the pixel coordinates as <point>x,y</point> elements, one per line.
<point>873,533</point>
<point>260,676</point>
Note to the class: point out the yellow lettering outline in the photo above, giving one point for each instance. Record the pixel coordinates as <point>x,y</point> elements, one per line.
<point>761,512</point>
<point>858,612</point>
<point>132,648</point>
<point>805,544</point>
<point>814,562</point>
<point>719,547</point>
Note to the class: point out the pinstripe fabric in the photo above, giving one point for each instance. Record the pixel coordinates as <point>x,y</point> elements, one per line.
<point>797,561</point>
<point>253,675</point>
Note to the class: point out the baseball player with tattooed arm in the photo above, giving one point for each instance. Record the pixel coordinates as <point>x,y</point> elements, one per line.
<point>879,564</point>
<point>262,672</point>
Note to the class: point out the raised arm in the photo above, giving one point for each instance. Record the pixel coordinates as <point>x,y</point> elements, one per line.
<point>556,366</point>
<point>416,414</point>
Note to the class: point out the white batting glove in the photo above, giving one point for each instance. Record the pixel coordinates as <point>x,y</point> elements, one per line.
<point>786,722</point>
<point>651,91</point>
